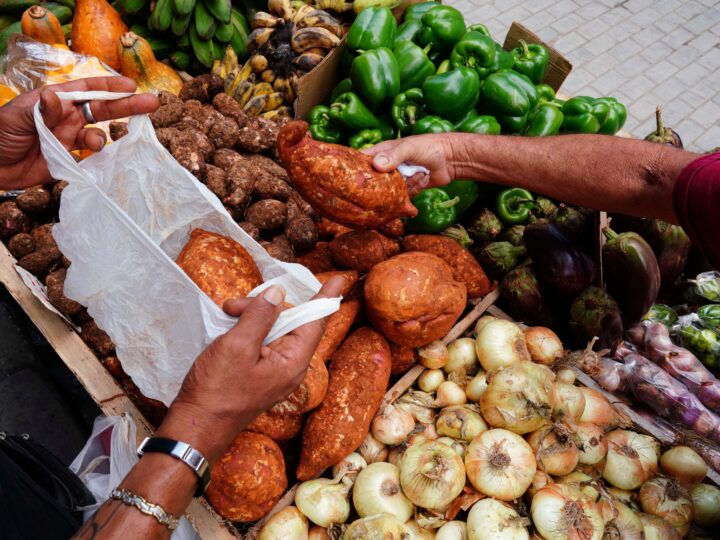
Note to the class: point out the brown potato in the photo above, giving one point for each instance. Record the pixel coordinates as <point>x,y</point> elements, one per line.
<point>279,249</point>
<point>413,298</point>
<point>97,339</point>
<point>21,244</point>
<point>361,250</point>
<point>55,283</point>
<point>318,259</point>
<point>12,220</point>
<point>40,261</point>
<point>267,214</point>
<point>34,200</point>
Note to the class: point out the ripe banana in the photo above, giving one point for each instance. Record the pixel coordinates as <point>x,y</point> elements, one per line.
<point>261,89</point>
<point>161,17</point>
<point>278,114</point>
<point>337,6</point>
<point>220,9</point>
<point>227,65</point>
<point>308,38</point>
<point>281,8</point>
<point>263,19</point>
<point>322,19</point>
<point>307,60</point>
<point>274,100</point>
<point>183,7</point>
<point>267,76</point>
<point>302,12</point>
<point>258,63</point>
<point>243,92</point>
<point>256,104</point>
<point>258,38</point>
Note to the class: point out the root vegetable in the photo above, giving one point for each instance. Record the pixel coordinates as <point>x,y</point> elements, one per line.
<point>434,355</point>
<point>462,358</point>
<point>460,422</point>
<point>318,259</point>
<point>555,451</point>
<point>12,220</point>
<point>493,520</point>
<point>543,345</point>
<point>350,466</point>
<point>569,403</point>
<point>476,387</point>
<point>500,343</point>
<point>631,460</point>
<point>377,491</point>
<point>372,450</point>
<point>656,528</point>
<point>34,200</point>
<point>706,504</point>
<point>55,283</point>
<point>666,498</point>
<point>21,244</point>
<point>449,393</point>
<point>379,527</point>
<point>324,501</point>
<point>591,442</point>
<point>288,524</point>
<point>361,250</point>
<point>267,214</point>
<point>392,425</point>
<point>562,512</point>
<point>278,426</point>
<point>279,249</point>
<point>403,358</point>
<point>684,465</point>
<point>431,475</point>
<point>430,380</point>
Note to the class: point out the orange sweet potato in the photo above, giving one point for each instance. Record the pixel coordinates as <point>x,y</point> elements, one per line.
<point>359,374</point>
<point>337,327</point>
<point>349,276</point>
<point>361,250</point>
<point>279,427</point>
<point>403,358</point>
<point>318,259</point>
<point>328,229</point>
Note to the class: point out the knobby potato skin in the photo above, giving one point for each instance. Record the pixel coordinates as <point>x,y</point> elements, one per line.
<point>359,374</point>
<point>361,250</point>
<point>413,298</point>
<point>464,266</point>
<point>340,182</point>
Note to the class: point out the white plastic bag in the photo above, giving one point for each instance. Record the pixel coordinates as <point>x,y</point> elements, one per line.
<point>124,217</point>
<point>102,473</point>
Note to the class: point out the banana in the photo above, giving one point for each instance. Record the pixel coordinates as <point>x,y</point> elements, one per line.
<point>231,80</point>
<point>281,8</point>
<point>308,38</point>
<point>258,63</point>
<point>181,60</point>
<point>131,7</point>
<point>307,60</point>
<point>161,17</point>
<point>183,7</point>
<point>263,19</point>
<point>220,9</point>
<point>279,83</point>
<point>302,12</point>
<point>261,89</point>
<point>267,76</point>
<point>183,43</point>
<point>256,104</point>
<point>274,100</point>
<point>237,16</point>
<point>228,63</point>
<point>359,5</point>
<point>240,33</point>
<point>181,23</point>
<point>204,22</point>
<point>278,114</point>
<point>243,92</point>
<point>224,32</point>
<point>204,49</point>
<point>322,19</point>
<point>258,38</point>
<point>337,6</point>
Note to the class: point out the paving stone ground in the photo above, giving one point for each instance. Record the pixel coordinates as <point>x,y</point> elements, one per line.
<point>644,52</point>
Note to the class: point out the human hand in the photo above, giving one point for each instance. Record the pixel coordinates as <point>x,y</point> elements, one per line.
<point>21,161</point>
<point>433,152</point>
<point>236,378</point>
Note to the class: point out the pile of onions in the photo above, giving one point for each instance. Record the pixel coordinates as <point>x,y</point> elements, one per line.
<point>452,530</point>
<point>460,447</point>
<point>569,403</point>
<point>382,526</point>
<point>377,490</point>
<point>417,532</point>
<point>289,524</point>
<point>632,459</point>
<point>500,464</point>
<point>462,358</point>
<point>349,466</point>
<point>476,387</point>
<point>449,393</point>
<point>592,443</point>
<point>430,379</point>
<point>500,343</point>
<point>392,426</point>
<point>460,422</point>
<point>518,397</point>
<point>582,482</point>
<point>706,504</point>
<point>493,520</point>
<point>565,376</point>
<point>372,450</point>
<point>433,355</point>
<point>421,405</point>
<point>432,475</point>
<point>665,498</point>
<point>655,527</point>
<point>482,321</point>
<point>684,465</point>
<point>324,501</point>
<point>543,345</point>
<point>555,451</point>
<point>539,481</point>
<point>560,512</point>
<point>598,410</point>
<point>319,533</point>
<point>621,522</point>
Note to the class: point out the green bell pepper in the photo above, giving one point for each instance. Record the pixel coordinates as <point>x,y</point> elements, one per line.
<point>321,125</point>
<point>407,108</point>
<point>474,50</point>
<point>349,111</point>
<point>365,138</point>
<point>416,11</point>
<point>373,28</point>
<point>432,124</point>
<point>443,67</point>
<point>480,125</point>
<point>479,28</point>
<point>531,60</point>
<point>467,190</point>
<point>503,60</point>
<point>584,114</point>
<point>408,31</point>
<point>387,126</point>
<point>617,114</point>
<point>375,76</point>
<point>452,94</point>
<point>546,120</point>
<point>442,27</point>
<point>510,97</point>
<point>413,63</point>
<point>513,206</point>
<point>343,86</point>
<point>436,212</point>
<point>546,92</point>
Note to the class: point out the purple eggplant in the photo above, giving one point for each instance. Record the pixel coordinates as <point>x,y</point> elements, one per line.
<point>595,314</point>
<point>574,223</point>
<point>523,298</point>
<point>559,264</point>
<point>631,272</point>
<point>663,135</point>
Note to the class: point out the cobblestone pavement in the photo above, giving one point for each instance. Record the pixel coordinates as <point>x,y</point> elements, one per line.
<point>644,52</point>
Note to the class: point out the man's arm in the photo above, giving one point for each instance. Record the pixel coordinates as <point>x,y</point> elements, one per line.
<point>596,171</point>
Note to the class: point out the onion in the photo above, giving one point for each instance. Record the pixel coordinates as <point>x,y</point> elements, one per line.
<point>625,496</point>
<point>395,454</point>
<point>460,447</point>
<point>392,425</point>
<point>562,512</point>
<point>377,490</point>
<point>621,522</point>
<point>378,527</point>
<point>460,422</point>
<point>543,345</point>
<point>289,523</point>
<point>429,520</point>
<point>324,501</point>
<point>631,459</point>
<point>500,464</point>
<point>372,450</point>
<point>684,465</point>
<point>420,404</point>
<point>493,520</point>
<point>432,475</point>
<point>476,387</point>
<point>452,530</point>
<point>417,532</point>
<point>555,451</point>
<point>482,321</point>
<point>449,393</point>
<point>500,343</point>
<point>539,481</point>
<point>319,533</point>
<point>598,409</point>
<point>430,379</point>
<point>656,528</point>
<point>706,504</point>
<point>433,355</point>
<point>592,443</point>
<point>518,397</point>
<point>462,358</point>
<point>349,466</point>
<point>666,498</point>
<point>582,482</point>
<point>569,403</point>
<point>565,376</point>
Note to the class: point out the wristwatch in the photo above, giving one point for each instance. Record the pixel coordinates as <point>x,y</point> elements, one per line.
<point>185,453</point>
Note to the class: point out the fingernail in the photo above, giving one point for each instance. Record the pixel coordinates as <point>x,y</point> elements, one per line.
<point>381,160</point>
<point>275,295</point>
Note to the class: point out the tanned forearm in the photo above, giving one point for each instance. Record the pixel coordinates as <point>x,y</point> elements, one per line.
<point>610,173</point>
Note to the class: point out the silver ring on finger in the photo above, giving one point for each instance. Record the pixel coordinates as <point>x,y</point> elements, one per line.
<point>87,112</point>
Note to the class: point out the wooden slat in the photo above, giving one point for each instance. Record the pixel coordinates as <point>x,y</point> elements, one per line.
<point>559,67</point>
<point>96,380</point>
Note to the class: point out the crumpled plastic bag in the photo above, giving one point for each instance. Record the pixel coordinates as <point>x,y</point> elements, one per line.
<point>107,458</point>
<point>124,218</point>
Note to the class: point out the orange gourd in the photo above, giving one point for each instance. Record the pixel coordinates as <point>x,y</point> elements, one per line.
<point>96,28</point>
<point>43,26</point>
<point>138,62</point>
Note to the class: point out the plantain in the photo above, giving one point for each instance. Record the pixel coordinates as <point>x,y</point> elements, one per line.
<point>181,60</point>
<point>258,63</point>
<point>183,43</point>
<point>241,32</point>
<point>181,23</point>
<point>131,7</point>
<point>258,38</point>
<point>359,5</point>
<point>204,49</point>
<point>244,91</point>
<point>308,38</point>
<point>263,19</point>
<point>261,89</point>
<point>281,8</point>
<point>307,60</point>
<point>233,80</point>
<point>267,76</point>
<point>227,65</point>
<point>319,18</point>
<point>278,114</point>
<point>256,104</point>
<point>274,101</point>
<point>204,22</point>
<point>220,9</point>
<point>301,12</point>
<point>161,17</point>
<point>338,6</point>
<point>224,32</point>
<point>183,7</point>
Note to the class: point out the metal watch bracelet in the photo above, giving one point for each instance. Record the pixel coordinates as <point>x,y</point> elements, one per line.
<point>131,499</point>
<point>185,453</point>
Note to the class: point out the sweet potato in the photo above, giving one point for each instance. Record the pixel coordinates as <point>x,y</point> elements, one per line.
<point>328,229</point>
<point>318,259</point>
<point>309,394</point>
<point>55,283</point>
<point>97,339</point>
<point>21,244</point>
<point>359,374</point>
<point>267,214</point>
<point>337,327</point>
<point>34,200</point>
<point>277,426</point>
<point>350,278</point>
<point>248,479</point>
<point>361,250</point>
<point>403,358</point>
<point>393,228</point>
<point>464,266</point>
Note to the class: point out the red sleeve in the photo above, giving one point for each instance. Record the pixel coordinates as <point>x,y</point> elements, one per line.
<point>697,204</point>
